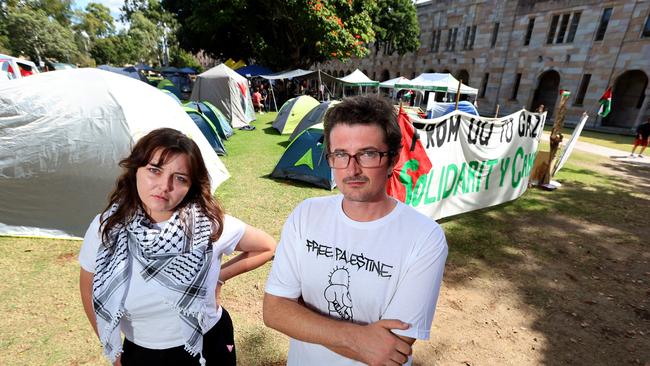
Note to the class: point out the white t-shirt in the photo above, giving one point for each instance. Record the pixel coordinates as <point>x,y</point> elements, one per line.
<point>149,322</point>
<point>390,268</point>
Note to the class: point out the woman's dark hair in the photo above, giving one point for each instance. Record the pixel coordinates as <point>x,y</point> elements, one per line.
<point>170,142</point>
<point>366,110</point>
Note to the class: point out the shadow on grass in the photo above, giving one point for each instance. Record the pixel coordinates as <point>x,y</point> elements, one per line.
<point>579,258</point>
<point>284,143</point>
<point>271,131</point>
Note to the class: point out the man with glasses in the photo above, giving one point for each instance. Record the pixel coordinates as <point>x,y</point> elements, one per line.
<point>356,276</point>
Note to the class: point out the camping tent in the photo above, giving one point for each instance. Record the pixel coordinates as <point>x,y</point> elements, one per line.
<point>171,95</point>
<point>169,70</point>
<point>253,70</point>
<point>187,70</point>
<point>440,109</point>
<point>59,151</point>
<point>314,117</point>
<point>228,91</point>
<point>215,116</point>
<point>166,84</point>
<point>358,78</point>
<point>292,111</point>
<point>208,129</point>
<point>436,82</point>
<point>304,160</point>
<point>391,83</point>
<point>129,71</point>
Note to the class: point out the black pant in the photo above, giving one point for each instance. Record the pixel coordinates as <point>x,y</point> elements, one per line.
<point>215,349</point>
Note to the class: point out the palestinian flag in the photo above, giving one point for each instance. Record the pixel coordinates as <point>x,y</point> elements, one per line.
<point>605,103</point>
<point>412,162</point>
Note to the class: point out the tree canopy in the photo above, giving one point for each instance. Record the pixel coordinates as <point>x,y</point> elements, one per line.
<point>396,26</point>
<point>33,33</point>
<point>293,33</point>
<point>96,21</point>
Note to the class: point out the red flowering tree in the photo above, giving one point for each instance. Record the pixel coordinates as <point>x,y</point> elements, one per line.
<point>280,34</point>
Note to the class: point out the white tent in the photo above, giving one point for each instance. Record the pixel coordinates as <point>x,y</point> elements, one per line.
<point>391,83</point>
<point>436,82</point>
<point>358,78</point>
<point>227,90</point>
<point>62,135</point>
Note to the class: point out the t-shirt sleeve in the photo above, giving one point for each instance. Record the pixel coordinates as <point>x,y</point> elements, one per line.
<point>90,245</point>
<point>233,230</point>
<point>284,279</point>
<point>415,300</point>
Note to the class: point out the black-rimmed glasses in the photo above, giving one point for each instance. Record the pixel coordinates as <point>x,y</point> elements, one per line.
<point>365,159</point>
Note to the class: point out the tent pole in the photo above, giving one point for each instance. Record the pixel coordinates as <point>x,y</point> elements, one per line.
<point>273,95</point>
<point>458,94</point>
<point>321,90</point>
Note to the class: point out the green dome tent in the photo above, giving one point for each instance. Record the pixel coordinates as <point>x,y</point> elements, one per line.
<point>215,116</point>
<point>304,160</point>
<point>166,84</point>
<point>292,111</point>
<point>315,116</point>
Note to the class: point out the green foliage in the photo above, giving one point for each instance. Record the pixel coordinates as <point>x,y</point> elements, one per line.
<point>60,10</point>
<point>396,26</point>
<point>115,50</point>
<point>178,57</point>
<point>4,44</point>
<point>278,34</point>
<point>163,29</point>
<point>146,35</point>
<point>33,33</point>
<point>96,21</point>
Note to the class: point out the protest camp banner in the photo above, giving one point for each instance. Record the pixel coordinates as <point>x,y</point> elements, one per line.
<point>461,162</point>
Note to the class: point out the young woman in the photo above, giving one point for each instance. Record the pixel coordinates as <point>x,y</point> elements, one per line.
<point>151,262</point>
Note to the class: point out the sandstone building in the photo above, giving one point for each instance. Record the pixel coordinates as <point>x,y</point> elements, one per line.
<point>520,53</point>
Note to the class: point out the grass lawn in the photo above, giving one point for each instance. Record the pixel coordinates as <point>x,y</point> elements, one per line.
<point>523,245</point>
<point>611,140</point>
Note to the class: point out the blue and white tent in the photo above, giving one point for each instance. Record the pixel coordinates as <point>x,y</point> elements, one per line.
<point>215,116</point>
<point>208,129</point>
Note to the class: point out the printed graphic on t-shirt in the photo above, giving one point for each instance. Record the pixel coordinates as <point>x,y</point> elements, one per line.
<point>354,260</point>
<point>337,294</point>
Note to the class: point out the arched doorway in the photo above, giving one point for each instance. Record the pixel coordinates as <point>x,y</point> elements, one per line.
<point>385,75</point>
<point>430,71</point>
<point>627,98</point>
<point>546,92</point>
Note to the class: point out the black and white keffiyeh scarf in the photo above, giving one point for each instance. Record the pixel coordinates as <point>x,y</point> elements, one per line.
<point>175,259</point>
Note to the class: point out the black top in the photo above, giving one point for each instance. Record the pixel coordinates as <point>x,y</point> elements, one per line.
<point>644,130</point>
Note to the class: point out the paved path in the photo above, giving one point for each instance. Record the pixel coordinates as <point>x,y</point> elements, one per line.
<point>614,154</point>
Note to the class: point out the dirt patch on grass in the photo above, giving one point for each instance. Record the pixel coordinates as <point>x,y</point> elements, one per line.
<point>566,285</point>
<point>66,258</point>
